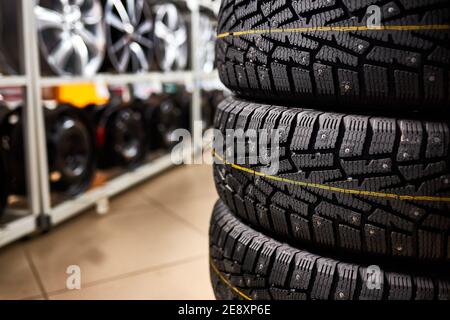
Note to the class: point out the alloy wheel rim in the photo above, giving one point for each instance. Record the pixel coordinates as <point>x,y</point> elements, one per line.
<point>129,29</point>
<point>171,32</point>
<point>71,35</point>
<point>207,43</point>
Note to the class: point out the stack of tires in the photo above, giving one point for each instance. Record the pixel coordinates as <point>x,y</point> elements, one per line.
<point>359,206</point>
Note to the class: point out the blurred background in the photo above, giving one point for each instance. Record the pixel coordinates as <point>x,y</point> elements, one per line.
<point>90,94</point>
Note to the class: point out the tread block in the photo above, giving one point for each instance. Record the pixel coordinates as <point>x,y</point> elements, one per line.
<point>347,278</point>
<point>323,230</point>
<point>324,279</point>
<point>424,288</point>
<point>372,284</point>
<point>328,131</point>
<point>280,269</point>
<point>266,256</point>
<point>324,79</point>
<point>279,220</point>
<point>304,267</point>
<point>400,287</point>
<point>411,140</point>
<point>304,129</point>
<point>384,134</point>
<point>300,227</point>
<point>354,137</point>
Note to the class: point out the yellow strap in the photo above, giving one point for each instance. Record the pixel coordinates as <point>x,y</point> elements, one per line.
<point>337,28</point>
<point>228,283</point>
<point>334,189</point>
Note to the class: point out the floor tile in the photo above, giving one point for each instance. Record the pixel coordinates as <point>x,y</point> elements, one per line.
<point>34,298</point>
<point>16,278</point>
<point>186,281</point>
<point>128,200</point>
<point>104,247</point>
<point>195,211</point>
<point>192,181</point>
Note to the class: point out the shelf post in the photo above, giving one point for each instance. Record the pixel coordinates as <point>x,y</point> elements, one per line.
<point>29,112</point>
<point>196,112</point>
<point>36,140</point>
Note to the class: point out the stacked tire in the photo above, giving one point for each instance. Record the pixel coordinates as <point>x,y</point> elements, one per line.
<point>359,206</point>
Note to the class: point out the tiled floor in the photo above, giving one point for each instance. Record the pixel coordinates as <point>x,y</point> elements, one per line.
<point>152,245</point>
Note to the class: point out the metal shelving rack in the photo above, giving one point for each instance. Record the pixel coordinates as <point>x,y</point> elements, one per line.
<point>41,215</point>
<point>21,223</point>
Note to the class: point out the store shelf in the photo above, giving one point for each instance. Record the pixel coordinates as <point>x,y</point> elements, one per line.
<point>210,81</point>
<point>154,77</point>
<point>18,228</point>
<point>112,188</point>
<point>211,76</point>
<point>17,224</point>
<point>12,81</point>
<point>211,5</point>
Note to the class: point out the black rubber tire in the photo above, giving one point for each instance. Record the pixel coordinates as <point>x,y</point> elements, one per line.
<point>246,264</point>
<point>348,152</point>
<point>372,68</point>
<point>119,124</point>
<point>5,183</point>
<point>165,113</point>
<point>69,185</point>
<point>11,133</point>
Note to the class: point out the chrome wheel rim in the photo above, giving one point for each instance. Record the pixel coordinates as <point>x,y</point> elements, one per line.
<point>171,33</point>
<point>129,29</point>
<point>71,35</point>
<point>207,43</point>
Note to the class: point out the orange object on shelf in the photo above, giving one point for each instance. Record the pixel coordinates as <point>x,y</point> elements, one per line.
<point>82,94</point>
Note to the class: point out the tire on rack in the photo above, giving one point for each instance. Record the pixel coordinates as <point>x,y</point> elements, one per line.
<point>164,114</point>
<point>295,50</point>
<point>121,137</point>
<point>5,183</point>
<point>354,184</point>
<point>70,150</point>
<point>246,264</point>
<point>150,113</point>
<point>12,146</point>
<point>4,186</point>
